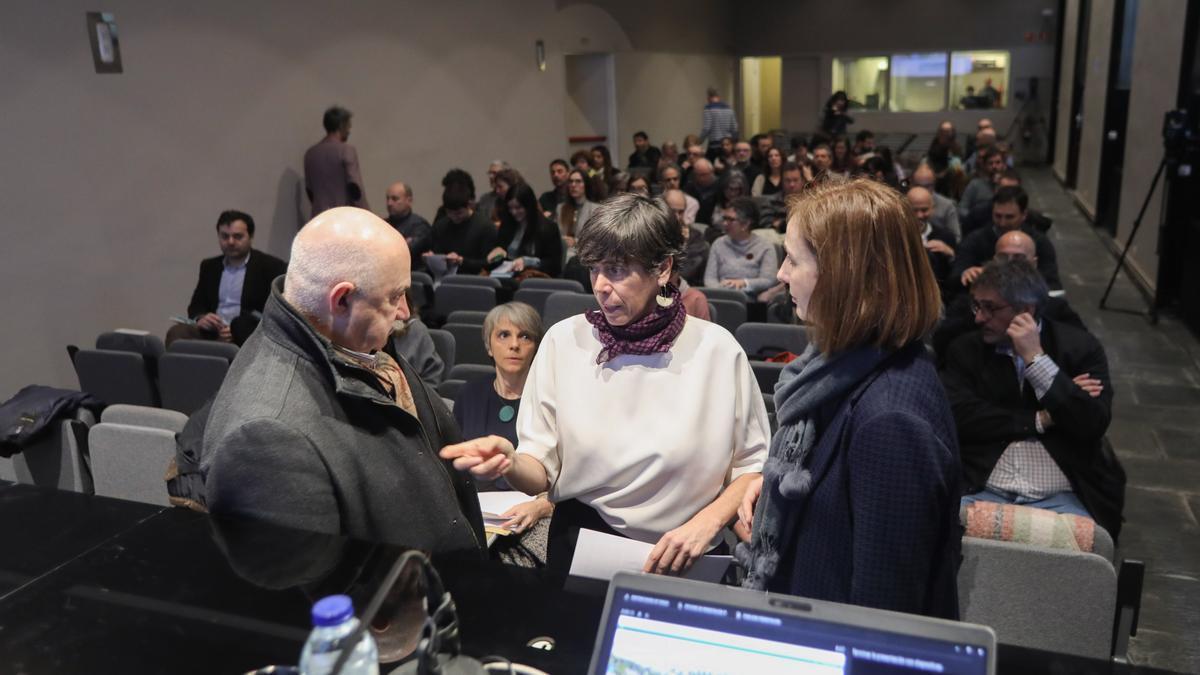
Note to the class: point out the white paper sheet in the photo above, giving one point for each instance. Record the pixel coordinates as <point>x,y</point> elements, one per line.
<point>436,264</point>
<point>494,503</point>
<point>600,556</point>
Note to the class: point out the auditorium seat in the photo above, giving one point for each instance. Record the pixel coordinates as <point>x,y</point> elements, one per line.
<point>730,314</point>
<point>188,381</point>
<point>535,297</point>
<point>450,388</point>
<point>225,350</point>
<point>553,284</point>
<point>58,459</point>
<point>721,293</point>
<point>115,377</point>
<point>150,346</point>
<point>130,462</point>
<point>467,316</point>
<point>468,341</point>
<point>449,297</point>
<point>446,347</point>
<point>470,280</point>
<point>767,374</point>
<point>562,305</point>
<point>141,416</point>
<point>767,339</point>
<point>472,371</point>
<point>422,290</point>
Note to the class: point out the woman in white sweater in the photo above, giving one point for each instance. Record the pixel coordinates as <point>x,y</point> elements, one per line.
<point>638,420</point>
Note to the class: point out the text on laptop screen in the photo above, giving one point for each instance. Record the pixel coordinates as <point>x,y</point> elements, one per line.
<point>649,634</point>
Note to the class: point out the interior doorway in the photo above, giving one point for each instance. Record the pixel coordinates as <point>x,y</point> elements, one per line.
<point>762,84</point>
<point>590,111</point>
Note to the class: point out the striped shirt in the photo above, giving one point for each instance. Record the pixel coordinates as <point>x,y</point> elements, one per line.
<point>1026,470</point>
<point>719,123</point>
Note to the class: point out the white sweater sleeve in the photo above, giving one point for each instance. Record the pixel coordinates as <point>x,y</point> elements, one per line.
<point>537,421</point>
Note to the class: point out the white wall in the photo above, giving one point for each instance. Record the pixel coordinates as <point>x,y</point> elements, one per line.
<point>1157,47</point>
<point>1095,93</point>
<point>112,183</point>
<point>1066,76</point>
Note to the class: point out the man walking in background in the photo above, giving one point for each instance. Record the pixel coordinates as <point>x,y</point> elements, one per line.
<point>331,174</point>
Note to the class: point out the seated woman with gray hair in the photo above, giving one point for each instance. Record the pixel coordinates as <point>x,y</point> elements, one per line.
<point>638,420</point>
<point>487,406</point>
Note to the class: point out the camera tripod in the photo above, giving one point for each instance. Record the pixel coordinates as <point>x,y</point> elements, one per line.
<point>1152,310</point>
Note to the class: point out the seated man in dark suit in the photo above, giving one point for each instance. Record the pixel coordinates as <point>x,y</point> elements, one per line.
<point>233,287</point>
<point>464,235</point>
<point>1032,399</point>
<point>958,319</point>
<point>980,215</point>
<point>939,242</point>
<point>316,427</point>
<point>1010,206</point>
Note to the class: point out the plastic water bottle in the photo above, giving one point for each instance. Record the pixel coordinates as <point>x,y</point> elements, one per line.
<point>333,621</point>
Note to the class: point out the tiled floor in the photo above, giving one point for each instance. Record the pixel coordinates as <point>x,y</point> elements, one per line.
<point>1155,431</point>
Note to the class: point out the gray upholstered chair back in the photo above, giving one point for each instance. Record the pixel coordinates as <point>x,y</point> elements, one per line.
<point>1043,598</point>
<point>446,347</point>
<point>115,377</point>
<point>449,297</point>
<point>225,350</point>
<point>449,388</point>
<point>767,374</point>
<point>472,371</point>
<point>141,416</point>
<point>562,305</point>
<point>129,462</point>
<point>188,381</point>
<point>722,293</point>
<point>554,285</point>
<point>468,343</point>
<point>536,297</point>
<point>150,346</point>
<point>771,338</point>
<point>730,313</point>
<point>59,459</point>
<point>467,316</point>
<point>470,280</point>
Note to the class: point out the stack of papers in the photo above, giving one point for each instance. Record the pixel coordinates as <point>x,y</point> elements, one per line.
<point>495,503</point>
<point>600,556</point>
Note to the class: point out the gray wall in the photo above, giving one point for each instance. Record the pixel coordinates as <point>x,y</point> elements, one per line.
<point>1156,59</point>
<point>1091,137</point>
<point>112,183</point>
<point>1066,75</point>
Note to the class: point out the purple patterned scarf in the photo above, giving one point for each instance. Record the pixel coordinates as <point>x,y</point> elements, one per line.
<point>651,334</point>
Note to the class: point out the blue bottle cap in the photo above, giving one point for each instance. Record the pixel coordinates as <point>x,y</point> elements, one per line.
<point>332,610</point>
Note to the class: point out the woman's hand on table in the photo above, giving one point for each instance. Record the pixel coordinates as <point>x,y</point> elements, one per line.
<point>523,516</point>
<point>681,547</point>
<point>486,458</point>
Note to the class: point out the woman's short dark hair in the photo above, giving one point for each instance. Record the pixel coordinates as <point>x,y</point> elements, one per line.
<point>227,218</point>
<point>1017,281</point>
<point>746,210</point>
<point>459,177</point>
<point>631,228</point>
<point>528,200</point>
<point>336,119</point>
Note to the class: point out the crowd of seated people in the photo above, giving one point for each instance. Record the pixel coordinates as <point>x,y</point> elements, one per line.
<point>1027,392</point>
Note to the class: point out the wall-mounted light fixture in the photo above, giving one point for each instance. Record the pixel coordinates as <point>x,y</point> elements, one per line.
<point>106,49</point>
<point>539,50</point>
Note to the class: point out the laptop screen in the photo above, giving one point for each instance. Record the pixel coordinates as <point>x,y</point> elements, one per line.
<point>665,631</point>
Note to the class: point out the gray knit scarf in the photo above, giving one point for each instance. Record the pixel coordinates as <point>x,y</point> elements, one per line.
<point>805,386</point>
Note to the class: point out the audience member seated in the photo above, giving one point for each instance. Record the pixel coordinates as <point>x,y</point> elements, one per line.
<point>488,200</point>
<point>774,212</point>
<point>859,499</point>
<point>412,342</point>
<point>945,211</point>
<point>460,178</point>
<point>671,178</point>
<point>526,238</point>
<point>625,441</point>
<point>232,288</point>
<point>670,154</point>
<point>550,199</point>
<point>945,141</point>
<point>981,214</point>
<point>843,161</point>
<point>612,177</point>
<point>822,161</point>
<point>958,319</point>
<point>1032,400</point>
<point>489,406</point>
<point>983,184</point>
<point>463,235</point>
<point>864,145</point>
<point>695,254</point>
<point>644,155</point>
<point>316,427</point>
<point>985,139</point>
<point>417,231</point>
<point>331,173</point>
<point>639,185</point>
<point>741,260</point>
<point>1009,208</point>
<point>880,169</point>
<point>577,208</point>
<point>771,181</point>
<point>939,243</point>
<point>705,188</point>
<point>743,155</point>
<point>725,157</point>
<point>733,186</point>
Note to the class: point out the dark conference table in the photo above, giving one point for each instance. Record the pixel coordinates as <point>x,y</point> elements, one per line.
<point>97,585</point>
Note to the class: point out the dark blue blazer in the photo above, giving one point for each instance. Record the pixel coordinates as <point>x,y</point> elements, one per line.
<point>880,526</point>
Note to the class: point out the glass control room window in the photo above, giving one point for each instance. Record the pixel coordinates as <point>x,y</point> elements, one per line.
<point>978,80</point>
<point>864,79</point>
<point>918,82</point>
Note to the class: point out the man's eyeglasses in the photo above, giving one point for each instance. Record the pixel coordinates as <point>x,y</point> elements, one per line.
<point>987,308</point>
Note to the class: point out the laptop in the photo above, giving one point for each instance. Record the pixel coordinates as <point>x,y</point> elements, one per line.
<point>655,624</point>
